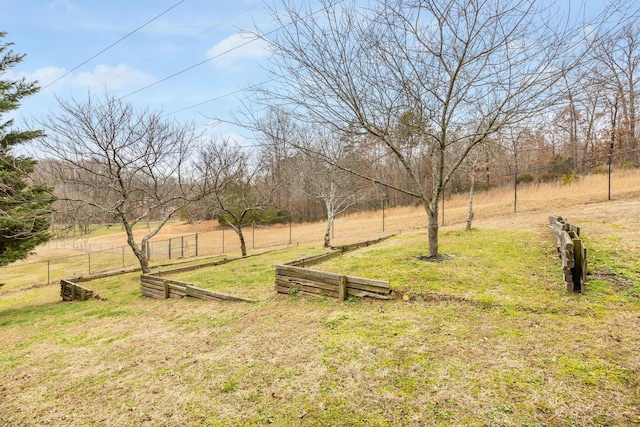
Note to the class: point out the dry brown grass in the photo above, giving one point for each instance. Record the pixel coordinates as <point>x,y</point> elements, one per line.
<point>471,351</point>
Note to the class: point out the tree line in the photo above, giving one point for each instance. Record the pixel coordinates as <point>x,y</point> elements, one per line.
<point>393,101</point>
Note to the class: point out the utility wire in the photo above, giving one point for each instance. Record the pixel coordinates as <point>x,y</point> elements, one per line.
<point>218,97</point>
<point>190,68</point>
<point>112,45</point>
<point>217,56</point>
<point>185,41</point>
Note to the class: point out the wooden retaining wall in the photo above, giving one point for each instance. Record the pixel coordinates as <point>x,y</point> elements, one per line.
<point>572,252</point>
<point>291,279</point>
<point>70,291</point>
<point>316,259</point>
<point>163,288</point>
<point>335,251</point>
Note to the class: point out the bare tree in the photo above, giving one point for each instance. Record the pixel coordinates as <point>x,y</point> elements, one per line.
<point>619,52</point>
<point>122,164</point>
<point>240,195</point>
<point>338,189</point>
<point>464,69</point>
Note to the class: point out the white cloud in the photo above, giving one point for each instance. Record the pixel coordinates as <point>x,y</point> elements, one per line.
<point>104,76</point>
<point>235,48</point>
<point>66,4</point>
<point>43,76</point>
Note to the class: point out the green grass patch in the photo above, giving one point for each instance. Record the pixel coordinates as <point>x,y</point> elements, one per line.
<point>489,337</point>
<point>251,277</point>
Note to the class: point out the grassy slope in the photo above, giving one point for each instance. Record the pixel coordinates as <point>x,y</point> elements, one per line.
<point>488,338</point>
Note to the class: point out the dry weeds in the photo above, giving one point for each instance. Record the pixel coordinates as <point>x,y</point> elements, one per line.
<point>448,359</point>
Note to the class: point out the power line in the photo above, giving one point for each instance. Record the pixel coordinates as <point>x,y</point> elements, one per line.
<point>190,68</point>
<point>218,55</point>
<point>186,41</point>
<point>112,45</point>
<point>216,98</point>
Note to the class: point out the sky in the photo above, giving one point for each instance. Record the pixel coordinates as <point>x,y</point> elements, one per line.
<point>190,59</point>
<point>59,36</point>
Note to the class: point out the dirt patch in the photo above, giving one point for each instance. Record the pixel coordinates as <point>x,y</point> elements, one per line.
<point>435,258</point>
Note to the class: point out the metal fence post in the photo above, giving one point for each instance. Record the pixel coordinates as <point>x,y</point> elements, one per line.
<point>609,181</point>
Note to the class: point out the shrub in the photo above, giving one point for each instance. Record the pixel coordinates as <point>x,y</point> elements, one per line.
<point>600,170</point>
<point>524,178</point>
<point>549,177</point>
<point>628,165</point>
<point>569,178</point>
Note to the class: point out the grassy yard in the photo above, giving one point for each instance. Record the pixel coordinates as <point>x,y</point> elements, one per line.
<point>488,338</point>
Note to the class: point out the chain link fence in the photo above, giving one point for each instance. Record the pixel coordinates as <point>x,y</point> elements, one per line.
<point>598,179</point>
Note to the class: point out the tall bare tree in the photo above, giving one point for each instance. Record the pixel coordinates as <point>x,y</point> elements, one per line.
<point>124,165</point>
<point>465,69</point>
<point>336,188</point>
<point>240,194</point>
<point>619,52</point>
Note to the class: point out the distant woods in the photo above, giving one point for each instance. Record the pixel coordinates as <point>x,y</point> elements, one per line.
<point>391,103</point>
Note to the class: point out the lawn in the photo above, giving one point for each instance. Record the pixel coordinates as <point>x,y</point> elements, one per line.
<point>488,338</point>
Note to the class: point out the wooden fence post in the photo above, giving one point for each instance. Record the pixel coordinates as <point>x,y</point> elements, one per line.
<point>342,288</point>
<point>577,272</point>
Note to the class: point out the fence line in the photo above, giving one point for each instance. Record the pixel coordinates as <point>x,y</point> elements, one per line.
<point>94,258</point>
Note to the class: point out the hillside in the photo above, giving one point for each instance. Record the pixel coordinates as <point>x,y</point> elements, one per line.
<point>488,338</point>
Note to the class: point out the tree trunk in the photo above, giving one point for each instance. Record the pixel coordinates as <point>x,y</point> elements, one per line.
<point>327,233</point>
<point>471,189</point>
<point>140,253</point>
<point>432,229</point>
<point>433,232</point>
<point>243,245</point>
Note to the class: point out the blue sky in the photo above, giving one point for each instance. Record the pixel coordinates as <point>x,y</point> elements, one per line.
<point>58,35</point>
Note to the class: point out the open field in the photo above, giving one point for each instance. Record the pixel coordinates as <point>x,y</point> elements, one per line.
<point>489,338</point>
<point>104,249</point>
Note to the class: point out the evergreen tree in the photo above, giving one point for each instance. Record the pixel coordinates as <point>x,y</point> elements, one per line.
<point>24,207</point>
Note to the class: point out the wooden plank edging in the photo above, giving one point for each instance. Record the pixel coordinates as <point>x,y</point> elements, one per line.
<point>572,252</point>
<point>162,288</point>
<point>336,285</point>
<point>70,291</point>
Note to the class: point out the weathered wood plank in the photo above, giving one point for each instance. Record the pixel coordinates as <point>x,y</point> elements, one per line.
<point>304,273</point>
<point>208,294</point>
<point>370,285</point>
<point>316,259</point>
<point>362,294</point>
<point>297,282</point>
<point>151,293</point>
<point>312,289</point>
<point>571,251</point>
<point>70,291</point>
<point>282,290</point>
